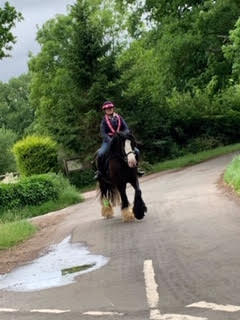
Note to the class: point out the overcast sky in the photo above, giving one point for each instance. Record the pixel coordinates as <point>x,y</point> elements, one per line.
<point>35,12</point>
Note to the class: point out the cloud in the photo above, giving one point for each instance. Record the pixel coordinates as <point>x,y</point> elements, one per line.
<point>35,12</point>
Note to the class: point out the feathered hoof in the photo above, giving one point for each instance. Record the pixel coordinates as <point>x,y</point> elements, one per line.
<point>107,212</point>
<point>127,215</point>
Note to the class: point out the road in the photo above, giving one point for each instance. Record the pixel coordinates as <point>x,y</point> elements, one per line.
<point>181,262</point>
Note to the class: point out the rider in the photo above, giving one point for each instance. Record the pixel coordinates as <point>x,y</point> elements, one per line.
<point>111,123</point>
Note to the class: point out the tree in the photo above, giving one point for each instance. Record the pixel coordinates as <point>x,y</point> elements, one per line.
<point>179,58</point>
<point>8,18</point>
<point>16,112</point>
<point>7,161</point>
<point>71,76</point>
<point>231,51</point>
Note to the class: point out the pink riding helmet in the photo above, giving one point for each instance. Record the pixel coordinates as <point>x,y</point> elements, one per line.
<point>107,105</point>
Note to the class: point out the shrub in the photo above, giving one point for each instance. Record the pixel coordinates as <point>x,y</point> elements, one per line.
<point>32,190</point>
<point>36,155</point>
<point>146,166</point>
<point>202,143</point>
<point>82,178</point>
<point>36,195</point>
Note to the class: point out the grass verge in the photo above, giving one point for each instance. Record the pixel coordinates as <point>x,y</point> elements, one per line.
<point>232,174</point>
<point>15,232</point>
<point>191,159</point>
<point>13,225</point>
<point>67,197</point>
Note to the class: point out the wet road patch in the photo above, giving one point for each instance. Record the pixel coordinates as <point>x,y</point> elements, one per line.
<point>60,266</point>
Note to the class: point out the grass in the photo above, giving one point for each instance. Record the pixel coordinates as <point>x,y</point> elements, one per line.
<point>77,268</point>
<point>232,174</point>
<point>13,225</point>
<point>90,187</point>
<point>191,159</point>
<point>15,232</point>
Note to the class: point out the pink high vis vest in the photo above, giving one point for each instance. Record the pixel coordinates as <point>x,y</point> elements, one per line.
<point>110,125</point>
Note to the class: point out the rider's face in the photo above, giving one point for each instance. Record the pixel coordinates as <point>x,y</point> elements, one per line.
<point>109,111</point>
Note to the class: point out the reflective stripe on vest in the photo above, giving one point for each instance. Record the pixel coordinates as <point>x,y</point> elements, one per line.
<point>110,125</point>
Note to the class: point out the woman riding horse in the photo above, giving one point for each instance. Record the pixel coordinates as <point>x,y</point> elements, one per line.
<point>111,123</point>
<point>121,166</point>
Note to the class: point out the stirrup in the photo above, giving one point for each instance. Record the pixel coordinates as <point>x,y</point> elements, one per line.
<point>98,175</point>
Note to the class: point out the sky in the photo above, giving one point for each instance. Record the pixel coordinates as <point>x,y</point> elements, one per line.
<point>35,13</point>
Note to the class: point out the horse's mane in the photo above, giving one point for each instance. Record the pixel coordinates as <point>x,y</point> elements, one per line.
<point>118,140</point>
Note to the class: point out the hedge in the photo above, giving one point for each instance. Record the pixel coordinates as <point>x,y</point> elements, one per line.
<point>32,190</point>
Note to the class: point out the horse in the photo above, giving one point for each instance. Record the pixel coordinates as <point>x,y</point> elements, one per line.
<point>121,168</point>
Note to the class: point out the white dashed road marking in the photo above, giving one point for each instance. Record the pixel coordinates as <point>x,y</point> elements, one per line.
<point>153,297</point>
<point>151,285</point>
<point>8,310</point>
<point>213,306</point>
<point>56,311</point>
<point>99,313</point>
<point>179,317</point>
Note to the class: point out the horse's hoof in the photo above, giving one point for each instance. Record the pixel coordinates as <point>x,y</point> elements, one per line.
<point>128,215</point>
<point>107,212</point>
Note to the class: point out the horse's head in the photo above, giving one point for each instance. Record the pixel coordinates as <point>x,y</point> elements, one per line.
<point>124,145</point>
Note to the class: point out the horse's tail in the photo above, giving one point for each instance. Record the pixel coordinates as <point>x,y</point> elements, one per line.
<point>109,192</point>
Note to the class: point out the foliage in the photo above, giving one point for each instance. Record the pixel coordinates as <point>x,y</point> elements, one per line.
<point>231,51</point>
<point>15,232</point>
<point>8,17</point>
<point>71,76</point>
<point>15,111</point>
<point>61,195</point>
<point>32,190</point>
<point>175,80</point>
<point>202,143</point>
<point>82,178</point>
<point>35,155</point>
<point>7,161</point>
<point>232,174</point>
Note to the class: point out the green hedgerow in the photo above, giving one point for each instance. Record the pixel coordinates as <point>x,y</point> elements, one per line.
<point>32,190</point>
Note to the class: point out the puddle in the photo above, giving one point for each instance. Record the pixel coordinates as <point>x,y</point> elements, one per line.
<point>59,267</point>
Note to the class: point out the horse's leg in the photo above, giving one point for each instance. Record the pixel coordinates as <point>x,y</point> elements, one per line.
<point>127,213</point>
<point>107,210</point>
<point>139,207</point>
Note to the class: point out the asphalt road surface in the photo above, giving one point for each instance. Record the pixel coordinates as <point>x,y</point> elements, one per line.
<point>181,262</point>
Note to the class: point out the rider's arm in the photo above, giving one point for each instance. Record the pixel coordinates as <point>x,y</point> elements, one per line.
<point>103,131</point>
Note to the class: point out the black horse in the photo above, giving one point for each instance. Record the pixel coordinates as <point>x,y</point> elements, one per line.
<point>121,168</point>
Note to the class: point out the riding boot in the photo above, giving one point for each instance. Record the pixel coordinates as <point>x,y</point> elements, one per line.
<point>99,172</point>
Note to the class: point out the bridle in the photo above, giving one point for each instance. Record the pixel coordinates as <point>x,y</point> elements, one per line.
<point>130,153</point>
<point>122,154</point>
